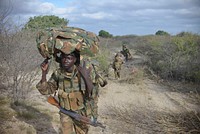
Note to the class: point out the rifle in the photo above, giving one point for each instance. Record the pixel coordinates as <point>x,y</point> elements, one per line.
<point>73,114</point>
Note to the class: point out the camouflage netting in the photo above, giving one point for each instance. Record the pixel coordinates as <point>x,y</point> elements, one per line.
<point>67,40</point>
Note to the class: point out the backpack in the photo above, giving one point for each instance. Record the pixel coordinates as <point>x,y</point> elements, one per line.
<point>50,42</point>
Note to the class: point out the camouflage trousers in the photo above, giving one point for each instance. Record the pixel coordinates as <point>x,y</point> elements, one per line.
<point>92,108</point>
<point>71,126</point>
<point>117,73</point>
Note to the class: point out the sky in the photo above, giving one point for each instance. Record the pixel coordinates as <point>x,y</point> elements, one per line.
<point>118,17</point>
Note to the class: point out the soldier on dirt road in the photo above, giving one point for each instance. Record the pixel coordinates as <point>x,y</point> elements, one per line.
<point>125,51</point>
<point>72,81</point>
<point>117,63</point>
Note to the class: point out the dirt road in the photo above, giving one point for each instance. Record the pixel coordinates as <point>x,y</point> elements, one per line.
<point>142,107</point>
<point>148,100</point>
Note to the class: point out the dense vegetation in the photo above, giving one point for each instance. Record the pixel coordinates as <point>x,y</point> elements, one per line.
<point>170,57</point>
<point>174,57</point>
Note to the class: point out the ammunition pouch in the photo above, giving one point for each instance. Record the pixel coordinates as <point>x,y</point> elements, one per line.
<point>71,101</point>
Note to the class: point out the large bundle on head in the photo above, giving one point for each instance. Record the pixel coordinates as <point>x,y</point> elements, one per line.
<point>67,40</point>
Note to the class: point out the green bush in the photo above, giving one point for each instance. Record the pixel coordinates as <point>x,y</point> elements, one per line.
<point>44,22</point>
<point>160,32</point>
<point>103,61</point>
<point>105,34</point>
<point>173,57</point>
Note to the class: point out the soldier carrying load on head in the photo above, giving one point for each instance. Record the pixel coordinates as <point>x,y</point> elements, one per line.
<point>73,81</point>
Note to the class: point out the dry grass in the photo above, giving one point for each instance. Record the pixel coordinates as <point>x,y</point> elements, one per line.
<point>137,119</point>
<point>146,120</point>
<point>23,111</point>
<point>40,120</point>
<point>25,118</point>
<point>5,112</point>
<point>188,122</point>
<point>132,76</point>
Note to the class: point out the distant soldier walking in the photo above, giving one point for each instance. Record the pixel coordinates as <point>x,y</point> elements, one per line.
<point>125,52</point>
<point>118,61</point>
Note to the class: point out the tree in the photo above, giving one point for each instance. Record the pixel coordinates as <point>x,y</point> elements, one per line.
<point>44,22</point>
<point>105,34</point>
<point>19,60</point>
<point>5,10</point>
<point>160,32</point>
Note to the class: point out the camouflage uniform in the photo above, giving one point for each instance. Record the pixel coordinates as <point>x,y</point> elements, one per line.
<point>70,86</point>
<point>71,94</point>
<point>71,97</point>
<point>125,52</point>
<point>118,61</point>
<point>98,80</point>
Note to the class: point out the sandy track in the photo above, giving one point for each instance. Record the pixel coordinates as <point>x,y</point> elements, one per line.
<point>148,97</point>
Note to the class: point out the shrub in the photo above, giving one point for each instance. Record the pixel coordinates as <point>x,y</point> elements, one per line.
<point>105,34</point>
<point>173,57</point>
<point>19,59</point>
<point>43,22</point>
<point>102,58</point>
<point>160,32</point>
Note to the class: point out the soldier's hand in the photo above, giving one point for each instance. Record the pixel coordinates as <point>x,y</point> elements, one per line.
<point>104,83</point>
<point>97,76</point>
<point>44,66</point>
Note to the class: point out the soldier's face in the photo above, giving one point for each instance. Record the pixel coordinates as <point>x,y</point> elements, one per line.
<point>67,61</point>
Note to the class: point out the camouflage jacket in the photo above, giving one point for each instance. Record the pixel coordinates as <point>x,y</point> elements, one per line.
<point>118,61</point>
<point>69,87</point>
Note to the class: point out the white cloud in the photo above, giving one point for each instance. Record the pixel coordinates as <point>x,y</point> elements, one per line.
<point>46,8</point>
<point>132,15</point>
<point>98,15</point>
<point>49,8</point>
<point>63,11</point>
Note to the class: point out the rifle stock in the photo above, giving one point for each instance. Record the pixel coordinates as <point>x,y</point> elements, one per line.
<point>53,101</point>
<point>73,114</point>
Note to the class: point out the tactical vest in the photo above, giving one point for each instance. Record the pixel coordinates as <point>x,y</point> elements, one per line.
<point>70,93</point>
